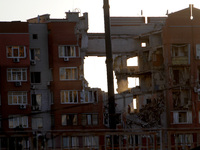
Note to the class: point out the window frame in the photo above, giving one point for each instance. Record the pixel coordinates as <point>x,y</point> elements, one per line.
<point>64,120</point>
<point>63,48</point>
<point>73,73</point>
<point>88,119</point>
<point>66,95</point>
<point>22,95</point>
<point>15,120</point>
<point>12,48</point>
<point>70,142</point>
<point>36,101</point>
<point>35,53</point>
<point>89,96</point>
<point>176,117</point>
<point>12,72</point>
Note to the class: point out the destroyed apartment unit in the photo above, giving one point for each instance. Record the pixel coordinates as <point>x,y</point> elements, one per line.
<point>160,88</point>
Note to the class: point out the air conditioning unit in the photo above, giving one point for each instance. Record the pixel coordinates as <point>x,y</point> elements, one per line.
<point>22,106</point>
<point>18,84</point>
<point>33,62</point>
<point>66,59</point>
<point>15,60</point>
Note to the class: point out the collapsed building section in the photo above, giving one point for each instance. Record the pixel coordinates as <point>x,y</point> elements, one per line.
<point>165,92</point>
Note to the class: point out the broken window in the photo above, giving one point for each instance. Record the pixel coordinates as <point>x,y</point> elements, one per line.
<point>35,77</point>
<point>134,103</point>
<point>133,106</point>
<point>180,50</point>
<point>181,98</point>
<point>181,75</point>
<point>133,82</point>
<point>132,61</point>
<point>143,44</point>
<point>176,76</point>
<point>67,51</point>
<point>69,119</point>
<point>36,102</point>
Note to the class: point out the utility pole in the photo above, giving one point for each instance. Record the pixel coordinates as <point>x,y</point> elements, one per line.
<point>109,64</point>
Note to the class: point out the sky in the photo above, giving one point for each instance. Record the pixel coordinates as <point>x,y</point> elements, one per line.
<point>15,10</point>
<point>22,10</point>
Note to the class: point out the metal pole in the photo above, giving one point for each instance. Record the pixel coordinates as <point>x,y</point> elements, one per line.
<point>109,64</point>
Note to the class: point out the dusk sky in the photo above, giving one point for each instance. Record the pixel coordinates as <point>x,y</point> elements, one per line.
<point>24,9</point>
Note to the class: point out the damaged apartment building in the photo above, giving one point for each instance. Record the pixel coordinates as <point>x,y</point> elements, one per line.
<point>167,69</point>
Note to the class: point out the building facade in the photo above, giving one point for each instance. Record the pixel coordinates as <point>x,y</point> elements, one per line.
<point>45,98</point>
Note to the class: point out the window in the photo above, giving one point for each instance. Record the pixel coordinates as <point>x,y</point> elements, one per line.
<point>132,61</point>
<point>69,119</point>
<point>199,116</point>
<point>16,51</point>
<point>18,121</point>
<point>37,123</point>
<point>184,139</point>
<point>35,77</point>
<point>197,51</point>
<point>70,142</point>
<point>35,36</point>
<point>133,82</point>
<point>17,98</point>
<point>90,97</point>
<point>36,101</point>
<point>134,103</point>
<point>69,97</point>
<point>182,117</point>
<point>198,95</point>
<point>35,54</point>
<point>176,76</point>
<point>67,51</point>
<point>16,74</point>
<point>180,50</point>
<point>89,119</point>
<point>91,141</point>
<point>143,44</point>
<point>68,73</point>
